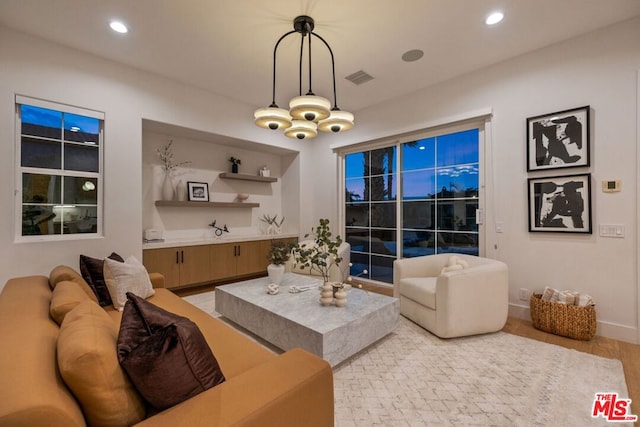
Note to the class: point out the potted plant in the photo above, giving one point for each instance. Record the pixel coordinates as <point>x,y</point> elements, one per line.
<point>234,164</point>
<point>279,254</point>
<point>273,225</point>
<point>322,256</point>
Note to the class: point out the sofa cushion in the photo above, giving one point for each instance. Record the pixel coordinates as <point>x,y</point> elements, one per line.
<point>165,355</point>
<point>65,273</point>
<point>65,297</point>
<point>234,352</point>
<point>123,277</point>
<point>420,289</point>
<point>92,272</point>
<point>88,363</point>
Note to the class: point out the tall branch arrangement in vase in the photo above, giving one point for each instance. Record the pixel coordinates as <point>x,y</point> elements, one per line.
<point>168,164</point>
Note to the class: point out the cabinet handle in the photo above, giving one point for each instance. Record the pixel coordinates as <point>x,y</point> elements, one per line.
<point>177,259</point>
<point>182,256</point>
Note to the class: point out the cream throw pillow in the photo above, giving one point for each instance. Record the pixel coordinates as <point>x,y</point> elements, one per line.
<point>127,276</point>
<point>455,263</point>
<point>88,363</point>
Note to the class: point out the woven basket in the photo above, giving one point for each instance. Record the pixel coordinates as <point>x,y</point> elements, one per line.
<point>561,319</point>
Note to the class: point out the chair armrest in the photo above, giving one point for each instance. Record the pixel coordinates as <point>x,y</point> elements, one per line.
<point>157,280</point>
<point>294,389</point>
<point>340,271</point>
<point>486,281</point>
<point>479,294</point>
<point>422,266</point>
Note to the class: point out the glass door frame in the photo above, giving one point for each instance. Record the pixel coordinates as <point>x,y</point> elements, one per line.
<point>481,122</point>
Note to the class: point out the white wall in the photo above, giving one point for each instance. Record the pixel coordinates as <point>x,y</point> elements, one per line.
<point>37,68</point>
<point>599,70</point>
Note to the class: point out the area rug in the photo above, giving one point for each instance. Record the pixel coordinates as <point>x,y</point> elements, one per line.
<point>413,378</point>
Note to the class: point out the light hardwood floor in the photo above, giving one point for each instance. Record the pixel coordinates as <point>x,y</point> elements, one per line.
<point>628,354</point>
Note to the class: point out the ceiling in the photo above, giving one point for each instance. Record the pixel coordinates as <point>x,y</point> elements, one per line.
<point>226,46</point>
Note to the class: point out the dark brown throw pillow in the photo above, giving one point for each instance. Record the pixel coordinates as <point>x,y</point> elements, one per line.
<point>91,270</point>
<point>165,355</point>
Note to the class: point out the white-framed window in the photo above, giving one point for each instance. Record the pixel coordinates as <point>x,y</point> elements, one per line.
<point>416,195</point>
<point>59,178</point>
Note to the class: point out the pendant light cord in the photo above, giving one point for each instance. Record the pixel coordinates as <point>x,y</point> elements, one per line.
<point>333,71</point>
<point>300,65</point>
<point>309,35</point>
<point>275,50</point>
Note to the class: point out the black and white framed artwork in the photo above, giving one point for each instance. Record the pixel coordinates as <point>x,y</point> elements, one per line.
<point>558,140</point>
<point>560,204</point>
<point>198,191</point>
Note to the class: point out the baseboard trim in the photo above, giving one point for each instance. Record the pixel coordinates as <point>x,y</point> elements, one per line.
<point>604,329</point>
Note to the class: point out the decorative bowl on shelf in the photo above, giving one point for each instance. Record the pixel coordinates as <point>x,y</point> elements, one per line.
<point>242,197</point>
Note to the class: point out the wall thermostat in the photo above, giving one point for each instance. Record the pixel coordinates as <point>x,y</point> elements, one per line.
<point>611,186</point>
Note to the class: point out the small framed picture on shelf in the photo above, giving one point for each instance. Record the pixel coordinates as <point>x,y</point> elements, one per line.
<point>198,191</point>
<point>560,204</point>
<point>558,140</point>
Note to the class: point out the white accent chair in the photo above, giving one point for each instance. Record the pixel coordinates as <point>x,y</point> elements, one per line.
<point>338,273</point>
<point>466,301</point>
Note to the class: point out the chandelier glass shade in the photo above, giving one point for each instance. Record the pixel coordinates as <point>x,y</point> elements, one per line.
<point>301,129</point>
<point>307,113</point>
<point>338,121</point>
<point>272,118</point>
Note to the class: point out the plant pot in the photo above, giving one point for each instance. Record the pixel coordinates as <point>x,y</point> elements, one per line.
<point>234,168</point>
<point>276,273</point>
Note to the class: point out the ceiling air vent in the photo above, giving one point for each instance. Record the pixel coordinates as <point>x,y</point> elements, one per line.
<point>359,77</point>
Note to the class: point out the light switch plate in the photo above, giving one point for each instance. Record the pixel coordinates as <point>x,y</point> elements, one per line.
<point>612,230</point>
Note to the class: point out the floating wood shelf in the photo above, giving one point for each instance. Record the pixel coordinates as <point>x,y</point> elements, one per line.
<point>181,204</point>
<point>247,177</point>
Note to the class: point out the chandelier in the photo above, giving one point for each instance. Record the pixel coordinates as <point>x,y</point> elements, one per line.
<point>307,113</point>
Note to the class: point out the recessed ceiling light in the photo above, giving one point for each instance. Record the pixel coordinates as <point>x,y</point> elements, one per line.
<point>412,55</point>
<point>494,18</point>
<point>118,27</point>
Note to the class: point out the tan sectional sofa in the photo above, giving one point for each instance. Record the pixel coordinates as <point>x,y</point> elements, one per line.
<point>261,388</point>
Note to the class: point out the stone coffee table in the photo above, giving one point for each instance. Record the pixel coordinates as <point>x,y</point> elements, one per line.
<point>289,320</point>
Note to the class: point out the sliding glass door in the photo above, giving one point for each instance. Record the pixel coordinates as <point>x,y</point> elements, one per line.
<point>412,198</point>
<point>371,212</point>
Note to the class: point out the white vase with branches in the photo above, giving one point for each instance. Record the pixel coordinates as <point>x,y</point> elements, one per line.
<point>168,165</point>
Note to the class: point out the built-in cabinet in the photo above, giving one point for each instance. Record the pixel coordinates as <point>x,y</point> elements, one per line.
<point>180,266</point>
<point>192,265</point>
<point>238,259</point>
